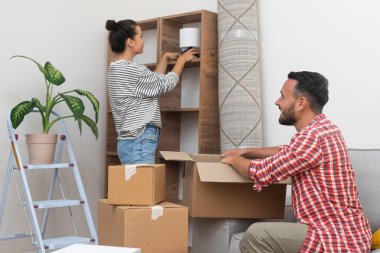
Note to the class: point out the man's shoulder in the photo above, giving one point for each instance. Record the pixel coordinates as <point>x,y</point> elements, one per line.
<point>321,128</point>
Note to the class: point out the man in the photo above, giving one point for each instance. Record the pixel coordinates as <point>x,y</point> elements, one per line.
<point>325,197</point>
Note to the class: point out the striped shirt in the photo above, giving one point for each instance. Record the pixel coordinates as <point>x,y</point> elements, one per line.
<point>133,92</point>
<point>325,195</point>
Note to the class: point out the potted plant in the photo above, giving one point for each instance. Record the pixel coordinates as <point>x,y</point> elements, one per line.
<point>53,77</point>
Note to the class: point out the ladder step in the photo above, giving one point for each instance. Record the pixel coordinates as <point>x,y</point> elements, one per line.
<point>56,203</point>
<point>15,236</point>
<point>48,166</point>
<point>60,242</point>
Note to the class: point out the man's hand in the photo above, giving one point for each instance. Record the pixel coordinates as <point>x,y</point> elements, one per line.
<point>228,159</point>
<point>233,152</point>
<point>240,164</point>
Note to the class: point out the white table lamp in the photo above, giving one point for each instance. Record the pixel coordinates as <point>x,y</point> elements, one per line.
<point>189,38</point>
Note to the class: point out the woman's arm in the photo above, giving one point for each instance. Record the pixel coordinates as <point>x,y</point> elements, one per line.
<point>185,57</point>
<point>151,84</point>
<point>163,63</point>
<point>180,61</point>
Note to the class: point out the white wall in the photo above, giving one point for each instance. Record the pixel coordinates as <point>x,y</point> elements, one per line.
<point>337,38</point>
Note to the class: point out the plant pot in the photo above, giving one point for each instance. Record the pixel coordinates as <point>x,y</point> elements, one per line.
<point>41,148</point>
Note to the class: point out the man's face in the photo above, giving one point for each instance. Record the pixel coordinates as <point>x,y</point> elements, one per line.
<point>286,103</point>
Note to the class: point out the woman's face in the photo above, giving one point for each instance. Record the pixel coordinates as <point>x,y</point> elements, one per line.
<point>138,41</point>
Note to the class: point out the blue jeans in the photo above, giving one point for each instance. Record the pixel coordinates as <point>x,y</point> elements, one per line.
<point>140,150</point>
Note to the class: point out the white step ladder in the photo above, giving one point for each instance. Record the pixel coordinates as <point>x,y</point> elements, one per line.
<point>16,165</point>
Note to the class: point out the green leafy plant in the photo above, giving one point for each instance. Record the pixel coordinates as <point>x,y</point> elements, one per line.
<point>54,77</point>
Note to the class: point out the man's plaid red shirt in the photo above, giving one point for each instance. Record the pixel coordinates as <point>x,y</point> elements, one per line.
<point>325,195</point>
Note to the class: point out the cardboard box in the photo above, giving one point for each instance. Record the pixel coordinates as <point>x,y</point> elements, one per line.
<point>136,184</point>
<point>215,190</point>
<point>135,226</point>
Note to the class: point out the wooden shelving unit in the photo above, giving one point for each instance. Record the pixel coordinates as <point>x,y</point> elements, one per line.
<point>190,115</point>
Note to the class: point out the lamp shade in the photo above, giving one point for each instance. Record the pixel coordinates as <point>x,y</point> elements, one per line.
<point>189,37</point>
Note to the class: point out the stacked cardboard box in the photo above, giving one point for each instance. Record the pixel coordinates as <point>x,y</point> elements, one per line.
<point>134,214</point>
<point>136,184</point>
<point>215,190</point>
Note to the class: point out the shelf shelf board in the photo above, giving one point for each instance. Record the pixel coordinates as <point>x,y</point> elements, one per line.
<point>194,63</point>
<point>185,18</point>
<point>149,24</point>
<point>151,66</point>
<point>112,153</point>
<point>179,109</point>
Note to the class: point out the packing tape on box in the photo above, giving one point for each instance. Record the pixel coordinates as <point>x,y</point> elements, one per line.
<point>157,211</point>
<point>130,170</point>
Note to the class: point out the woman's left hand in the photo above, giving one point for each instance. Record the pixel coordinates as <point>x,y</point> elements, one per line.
<point>171,56</point>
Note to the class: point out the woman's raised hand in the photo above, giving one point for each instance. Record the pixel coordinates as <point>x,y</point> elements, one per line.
<point>189,55</point>
<point>172,56</point>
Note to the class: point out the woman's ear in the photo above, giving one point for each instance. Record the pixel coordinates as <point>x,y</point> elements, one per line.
<point>129,42</point>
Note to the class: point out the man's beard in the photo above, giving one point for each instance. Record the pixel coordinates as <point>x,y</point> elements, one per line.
<point>287,118</point>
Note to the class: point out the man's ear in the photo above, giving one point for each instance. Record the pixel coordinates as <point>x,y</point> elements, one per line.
<point>302,103</point>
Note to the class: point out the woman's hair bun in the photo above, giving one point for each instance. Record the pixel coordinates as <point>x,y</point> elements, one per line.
<point>110,25</point>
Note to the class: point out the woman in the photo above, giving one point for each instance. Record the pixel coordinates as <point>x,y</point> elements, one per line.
<point>133,92</point>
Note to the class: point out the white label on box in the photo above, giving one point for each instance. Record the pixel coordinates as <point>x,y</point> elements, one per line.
<point>130,170</point>
<point>157,211</point>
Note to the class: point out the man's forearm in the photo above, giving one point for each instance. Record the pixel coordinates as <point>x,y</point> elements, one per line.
<point>259,153</point>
